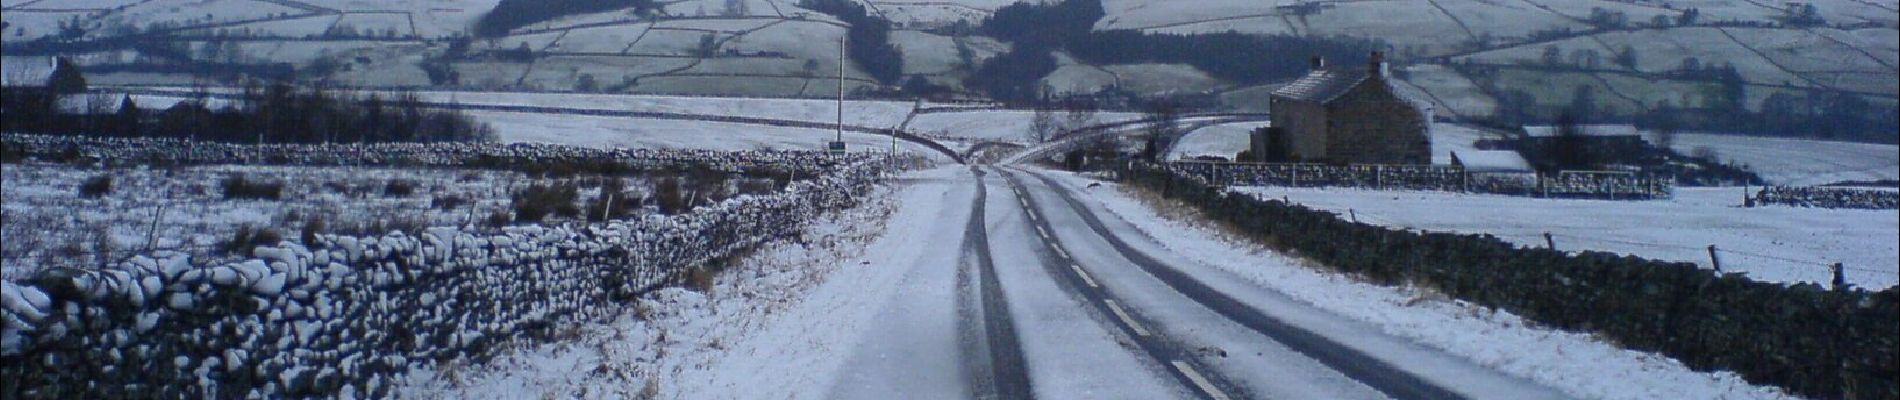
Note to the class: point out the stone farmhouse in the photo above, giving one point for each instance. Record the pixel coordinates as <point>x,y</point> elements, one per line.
<point>1347,115</point>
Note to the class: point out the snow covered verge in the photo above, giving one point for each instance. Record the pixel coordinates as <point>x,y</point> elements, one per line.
<point>1582,364</point>
<point>669,341</point>
<point>1769,244</point>
<point>345,315</point>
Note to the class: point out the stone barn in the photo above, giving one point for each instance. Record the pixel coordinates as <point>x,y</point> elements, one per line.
<point>1347,115</point>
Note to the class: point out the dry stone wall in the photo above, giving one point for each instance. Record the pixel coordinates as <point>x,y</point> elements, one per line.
<point>345,315</point>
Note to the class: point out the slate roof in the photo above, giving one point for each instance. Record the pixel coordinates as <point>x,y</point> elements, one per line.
<point>1603,130</point>
<point>1322,85</point>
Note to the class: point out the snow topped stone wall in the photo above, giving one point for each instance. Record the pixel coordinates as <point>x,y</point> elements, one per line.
<point>345,315</point>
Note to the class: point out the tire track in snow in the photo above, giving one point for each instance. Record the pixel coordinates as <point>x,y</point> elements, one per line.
<point>1003,375</point>
<point>1180,366</point>
<point>1372,372</point>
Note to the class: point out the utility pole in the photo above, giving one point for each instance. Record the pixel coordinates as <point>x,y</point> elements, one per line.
<point>837,146</point>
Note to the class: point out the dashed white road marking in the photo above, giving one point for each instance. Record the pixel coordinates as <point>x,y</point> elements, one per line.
<point>1199,380</point>
<point>1058,249</point>
<point>1039,231</point>
<point>1117,308</point>
<point>1085,275</point>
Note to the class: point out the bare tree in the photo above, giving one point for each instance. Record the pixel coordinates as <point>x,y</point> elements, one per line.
<point>1042,125</point>
<point>1164,127</point>
<point>1080,115</point>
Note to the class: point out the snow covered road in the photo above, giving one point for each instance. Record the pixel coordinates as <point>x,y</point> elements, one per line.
<point>1011,283</point>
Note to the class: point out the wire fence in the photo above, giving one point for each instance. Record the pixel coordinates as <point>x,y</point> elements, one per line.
<point>1723,258</point>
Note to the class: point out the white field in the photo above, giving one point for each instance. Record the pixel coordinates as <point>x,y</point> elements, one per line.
<point>925,53</point>
<point>31,25</point>
<point>1811,58</point>
<point>192,12</point>
<point>432,18</point>
<point>45,213</point>
<point>869,113</point>
<point>1454,94</point>
<point>1222,141</point>
<point>1799,162</point>
<point>1776,244</point>
<point>997,125</point>
<point>1163,78</point>
<point>935,12</point>
<point>634,133</point>
<point>1450,139</point>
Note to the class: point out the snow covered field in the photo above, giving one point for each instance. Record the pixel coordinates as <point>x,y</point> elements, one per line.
<point>1222,141</point>
<point>995,125</point>
<point>635,133</point>
<point>184,208</point>
<point>1580,365</point>
<point>870,113</point>
<point>1777,244</point>
<point>1799,162</point>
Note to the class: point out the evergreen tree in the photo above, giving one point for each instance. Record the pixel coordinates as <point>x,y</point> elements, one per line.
<point>66,79</point>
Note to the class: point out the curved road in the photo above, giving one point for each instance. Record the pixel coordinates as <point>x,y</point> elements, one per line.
<point>1041,293</point>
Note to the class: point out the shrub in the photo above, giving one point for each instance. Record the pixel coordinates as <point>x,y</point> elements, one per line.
<point>311,227</point>
<point>499,219</point>
<point>399,188</point>
<point>700,279</point>
<point>238,187</point>
<point>246,238</point>
<point>96,187</point>
<point>757,186</point>
<point>447,202</point>
<point>538,201</point>
<point>670,198</point>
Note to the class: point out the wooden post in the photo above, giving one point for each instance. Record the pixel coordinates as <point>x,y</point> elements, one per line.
<point>1549,243</point>
<point>1840,277</point>
<point>1713,260</point>
<point>1353,214</point>
<point>607,212</point>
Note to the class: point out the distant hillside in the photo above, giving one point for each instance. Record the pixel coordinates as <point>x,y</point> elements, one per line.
<point>1722,64</point>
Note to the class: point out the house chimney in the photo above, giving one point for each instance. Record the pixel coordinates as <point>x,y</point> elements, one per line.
<point>1378,67</point>
<point>1319,63</point>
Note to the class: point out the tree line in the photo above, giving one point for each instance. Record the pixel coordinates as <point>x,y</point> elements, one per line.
<point>278,112</point>
<point>1035,30</point>
<point>511,14</point>
<point>870,38</point>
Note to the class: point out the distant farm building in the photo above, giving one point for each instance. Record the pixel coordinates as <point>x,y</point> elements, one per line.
<point>1347,116</point>
<point>1616,135</point>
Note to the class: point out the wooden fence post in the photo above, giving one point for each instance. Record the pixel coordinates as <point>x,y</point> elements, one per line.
<point>1353,214</point>
<point>1549,243</point>
<point>1840,277</point>
<point>607,212</point>
<point>1715,261</point>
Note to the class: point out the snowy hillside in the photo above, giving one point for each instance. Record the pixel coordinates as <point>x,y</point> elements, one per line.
<point>1798,162</point>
